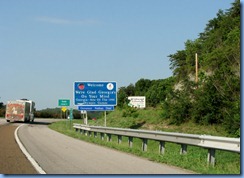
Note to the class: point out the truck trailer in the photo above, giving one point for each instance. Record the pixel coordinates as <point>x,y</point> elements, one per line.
<point>20,110</point>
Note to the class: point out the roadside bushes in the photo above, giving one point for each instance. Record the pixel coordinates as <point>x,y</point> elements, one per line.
<point>130,112</point>
<point>2,109</point>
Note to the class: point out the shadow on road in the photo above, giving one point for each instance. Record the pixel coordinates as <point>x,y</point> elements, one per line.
<point>38,122</point>
<point>31,123</point>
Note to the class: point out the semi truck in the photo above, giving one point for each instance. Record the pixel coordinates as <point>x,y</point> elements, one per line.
<point>20,110</point>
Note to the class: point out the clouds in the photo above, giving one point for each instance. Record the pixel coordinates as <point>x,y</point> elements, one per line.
<point>63,21</point>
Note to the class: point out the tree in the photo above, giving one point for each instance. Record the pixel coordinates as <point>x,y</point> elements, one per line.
<point>2,109</point>
<point>142,86</point>
<point>121,97</point>
<point>216,100</point>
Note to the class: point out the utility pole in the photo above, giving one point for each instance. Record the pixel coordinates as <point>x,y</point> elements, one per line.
<point>196,58</point>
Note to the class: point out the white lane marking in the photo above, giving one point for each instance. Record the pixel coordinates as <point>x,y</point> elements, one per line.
<point>33,162</point>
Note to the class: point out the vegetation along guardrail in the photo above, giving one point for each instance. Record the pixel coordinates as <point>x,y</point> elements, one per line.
<point>210,142</point>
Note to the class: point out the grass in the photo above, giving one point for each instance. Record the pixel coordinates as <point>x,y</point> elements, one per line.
<point>195,159</point>
<point>150,119</point>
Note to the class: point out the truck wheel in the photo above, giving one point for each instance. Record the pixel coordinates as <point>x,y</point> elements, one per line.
<point>26,120</point>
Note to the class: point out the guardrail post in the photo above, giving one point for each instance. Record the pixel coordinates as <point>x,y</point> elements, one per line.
<point>130,141</point>
<point>102,136</point>
<point>211,156</point>
<point>183,149</point>
<point>89,133</point>
<point>119,139</point>
<point>95,134</point>
<point>161,147</point>
<point>144,144</point>
<point>109,138</point>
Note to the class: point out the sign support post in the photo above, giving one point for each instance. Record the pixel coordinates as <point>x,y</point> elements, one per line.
<point>63,103</point>
<point>105,119</point>
<point>85,119</point>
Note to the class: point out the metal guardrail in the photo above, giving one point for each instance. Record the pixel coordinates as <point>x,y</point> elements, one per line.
<point>210,142</point>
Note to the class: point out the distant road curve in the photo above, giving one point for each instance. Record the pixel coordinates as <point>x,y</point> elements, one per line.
<point>3,121</point>
<point>59,154</point>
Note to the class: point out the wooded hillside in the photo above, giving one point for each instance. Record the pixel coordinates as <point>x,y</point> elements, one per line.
<point>215,98</point>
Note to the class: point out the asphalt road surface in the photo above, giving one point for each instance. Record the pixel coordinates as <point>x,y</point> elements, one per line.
<point>60,154</point>
<point>12,160</point>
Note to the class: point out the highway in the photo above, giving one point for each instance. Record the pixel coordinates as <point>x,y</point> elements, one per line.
<point>56,153</point>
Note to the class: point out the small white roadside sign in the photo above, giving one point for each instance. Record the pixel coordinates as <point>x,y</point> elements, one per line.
<point>137,101</point>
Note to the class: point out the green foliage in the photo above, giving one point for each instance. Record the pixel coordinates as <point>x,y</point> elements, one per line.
<point>122,95</point>
<point>154,90</point>
<point>207,104</point>
<point>57,113</point>
<point>49,113</point>
<point>180,109</point>
<point>130,112</point>
<point>215,99</point>
<point>142,86</point>
<point>2,109</point>
<point>178,64</point>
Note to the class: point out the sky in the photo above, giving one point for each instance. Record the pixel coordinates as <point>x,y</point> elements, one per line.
<point>47,45</point>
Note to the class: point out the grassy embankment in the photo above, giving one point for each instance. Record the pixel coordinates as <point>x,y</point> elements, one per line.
<point>195,159</point>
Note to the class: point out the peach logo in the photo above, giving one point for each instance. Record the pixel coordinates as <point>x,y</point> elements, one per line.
<point>110,86</point>
<point>81,86</point>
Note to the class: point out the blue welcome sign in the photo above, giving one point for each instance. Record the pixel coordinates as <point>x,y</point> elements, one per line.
<point>95,93</point>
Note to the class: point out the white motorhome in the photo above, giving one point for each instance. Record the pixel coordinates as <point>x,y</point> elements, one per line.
<point>20,110</point>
